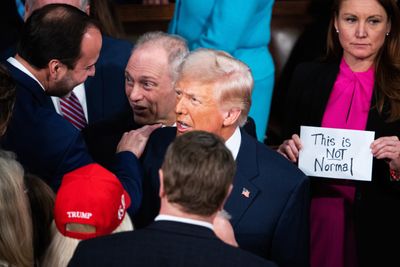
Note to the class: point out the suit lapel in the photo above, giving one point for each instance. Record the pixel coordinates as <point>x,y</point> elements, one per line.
<point>244,191</point>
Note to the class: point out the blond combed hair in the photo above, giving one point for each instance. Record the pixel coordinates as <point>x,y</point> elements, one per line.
<point>231,79</point>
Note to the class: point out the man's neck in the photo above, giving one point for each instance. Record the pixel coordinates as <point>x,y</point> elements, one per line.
<point>227,132</point>
<point>39,74</point>
<point>175,210</point>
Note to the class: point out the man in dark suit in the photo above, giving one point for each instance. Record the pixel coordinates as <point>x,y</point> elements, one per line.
<point>102,96</point>
<point>195,180</point>
<point>269,203</point>
<point>58,49</point>
<point>149,85</point>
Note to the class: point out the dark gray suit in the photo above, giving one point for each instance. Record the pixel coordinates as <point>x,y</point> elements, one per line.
<point>163,243</point>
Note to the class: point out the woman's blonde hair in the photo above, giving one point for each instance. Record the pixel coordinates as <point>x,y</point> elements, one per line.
<point>62,247</point>
<point>16,245</point>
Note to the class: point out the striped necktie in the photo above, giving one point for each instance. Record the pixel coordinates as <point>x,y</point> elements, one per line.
<point>72,110</point>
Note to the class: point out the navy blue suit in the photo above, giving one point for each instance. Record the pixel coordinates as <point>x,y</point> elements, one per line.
<point>105,92</point>
<point>49,146</point>
<point>163,243</point>
<point>109,112</point>
<point>271,222</point>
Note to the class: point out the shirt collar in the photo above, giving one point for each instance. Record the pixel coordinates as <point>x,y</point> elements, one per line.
<point>22,68</point>
<point>233,142</point>
<point>164,217</point>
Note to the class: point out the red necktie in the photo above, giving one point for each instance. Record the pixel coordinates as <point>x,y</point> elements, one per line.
<point>72,110</point>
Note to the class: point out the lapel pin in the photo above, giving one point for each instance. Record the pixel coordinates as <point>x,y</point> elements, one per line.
<point>245,192</point>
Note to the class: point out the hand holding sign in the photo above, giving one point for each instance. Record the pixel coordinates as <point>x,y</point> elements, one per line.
<point>290,148</point>
<point>388,147</point>
<point>336,153</point>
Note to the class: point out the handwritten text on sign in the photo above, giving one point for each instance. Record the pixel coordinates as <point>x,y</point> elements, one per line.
<point>336,153</point>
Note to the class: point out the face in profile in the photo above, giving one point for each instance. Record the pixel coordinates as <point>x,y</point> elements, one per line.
<point>197,108</point>
<point>362,26</point>
<point>149,86</point>
<point>67,79</point>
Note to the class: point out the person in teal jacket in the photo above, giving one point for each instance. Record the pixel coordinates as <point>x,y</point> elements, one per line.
<point>241,28</point>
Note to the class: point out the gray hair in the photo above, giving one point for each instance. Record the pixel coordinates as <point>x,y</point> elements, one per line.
<point>175,46</point>
<point>83,4</point>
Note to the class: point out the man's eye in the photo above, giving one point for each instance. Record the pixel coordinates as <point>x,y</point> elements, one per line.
<point>128,79</point>
<point>148,84</point>
<point>194,100</point>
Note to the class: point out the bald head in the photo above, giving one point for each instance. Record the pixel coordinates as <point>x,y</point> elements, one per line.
<point>32,5</point>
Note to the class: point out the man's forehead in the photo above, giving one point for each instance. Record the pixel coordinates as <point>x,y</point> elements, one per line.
<point>150,51</point>
<point>193,88</point>
<point>147,64</point>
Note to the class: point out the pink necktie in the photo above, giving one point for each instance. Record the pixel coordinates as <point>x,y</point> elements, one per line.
<point>72,110</point>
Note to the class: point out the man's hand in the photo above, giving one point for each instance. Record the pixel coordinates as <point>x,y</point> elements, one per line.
<point>135,141</point>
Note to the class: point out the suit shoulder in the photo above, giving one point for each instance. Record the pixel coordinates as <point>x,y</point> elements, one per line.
<point>162,135</point>
<point>309,70</point>
<point>271,161</point>
<point>240,257</point>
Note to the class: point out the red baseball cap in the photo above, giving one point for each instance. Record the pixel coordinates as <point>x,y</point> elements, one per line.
<point>90,195</point>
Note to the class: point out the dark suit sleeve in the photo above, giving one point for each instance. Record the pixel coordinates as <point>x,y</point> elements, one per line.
<point>75,156</point>
<point>129,171</point>
<point>292,231</point>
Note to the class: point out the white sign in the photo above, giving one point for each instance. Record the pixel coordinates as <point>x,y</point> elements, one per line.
<point>336,153</point>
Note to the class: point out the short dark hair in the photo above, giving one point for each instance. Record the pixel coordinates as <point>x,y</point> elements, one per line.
<point>54,31</point>
<point>7,97</point>
<point>198,171</point>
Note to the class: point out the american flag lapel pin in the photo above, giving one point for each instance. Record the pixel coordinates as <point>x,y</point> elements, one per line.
<point>245,192</point>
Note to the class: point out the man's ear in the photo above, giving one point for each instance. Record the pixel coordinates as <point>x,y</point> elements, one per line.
<point>226,197</point>
<point>231,116</point>
<point>87,9</point>
<point>161,192</point>
<point>56,69</point>
<point>26,11</point>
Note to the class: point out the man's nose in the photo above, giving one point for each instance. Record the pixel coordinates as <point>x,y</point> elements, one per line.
<point>180,106</point>
<point>134,94</point>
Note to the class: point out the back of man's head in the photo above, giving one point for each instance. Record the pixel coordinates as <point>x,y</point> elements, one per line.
<point>54,31</point>
<point>198,170</point>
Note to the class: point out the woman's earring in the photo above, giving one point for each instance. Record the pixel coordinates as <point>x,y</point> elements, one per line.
<point>337,31</point>
<point>387,34</point>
